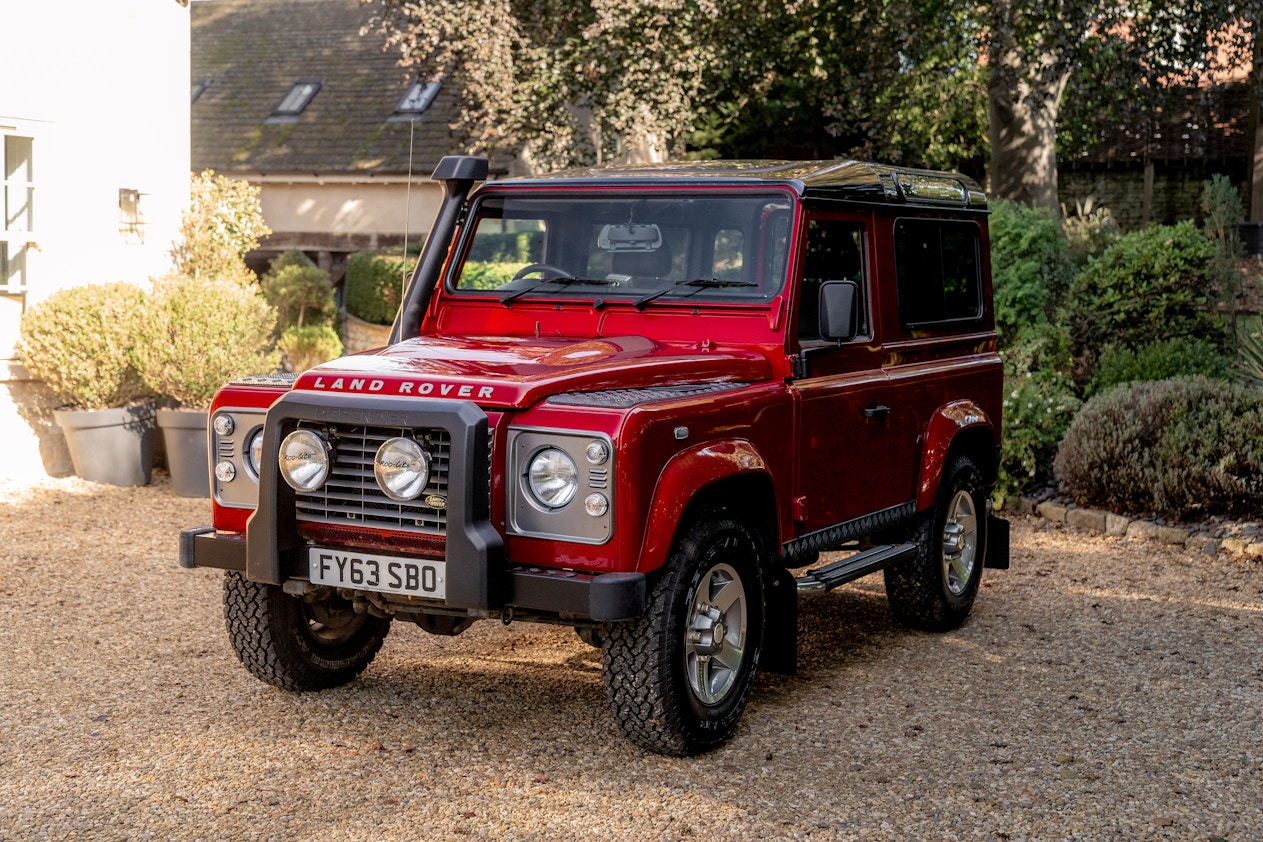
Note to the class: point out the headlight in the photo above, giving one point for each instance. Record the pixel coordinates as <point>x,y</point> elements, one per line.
<point>402,469</point>
<point>552,478</point>
<point>254,454</point>
<point>304,460</point>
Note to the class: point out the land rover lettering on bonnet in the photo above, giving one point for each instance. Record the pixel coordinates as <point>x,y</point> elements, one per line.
<point>641,402</point>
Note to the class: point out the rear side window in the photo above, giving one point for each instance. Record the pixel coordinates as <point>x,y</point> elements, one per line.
<point>937,271</point>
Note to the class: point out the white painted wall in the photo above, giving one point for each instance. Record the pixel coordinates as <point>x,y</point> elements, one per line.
<point>103,87</point>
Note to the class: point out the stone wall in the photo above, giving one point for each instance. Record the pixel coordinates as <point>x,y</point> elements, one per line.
<point>359,335</point>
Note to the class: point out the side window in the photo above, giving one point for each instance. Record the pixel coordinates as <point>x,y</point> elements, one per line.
<point>937,271</point>
<point>835,252</point>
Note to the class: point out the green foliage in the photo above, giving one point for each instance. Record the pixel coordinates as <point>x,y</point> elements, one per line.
<point>1188,446</point>
<point>1250,362</point>
<point>1160,360</point>
<point>1089,230</point>
<point>305,347</point>
<point>373,285</point>
<point>1224,214</point>
<point>488,275</point>
<point>1039,403</point>
<point>81,342</point>
<point>1029,269</point>
<point>509,247</point>
<point>204,332</point>
<point>301,294</point>
<point>1150,285</point>
<point>223,222</point>
<point>291,257</point>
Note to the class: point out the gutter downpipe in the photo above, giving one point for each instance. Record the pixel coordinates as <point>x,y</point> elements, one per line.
<point>458,173</point>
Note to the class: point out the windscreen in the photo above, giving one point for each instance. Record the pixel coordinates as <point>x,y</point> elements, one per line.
<point>663,247</point>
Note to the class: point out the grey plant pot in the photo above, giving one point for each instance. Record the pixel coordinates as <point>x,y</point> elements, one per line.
<point>112,446</point>
<point>188,456</point>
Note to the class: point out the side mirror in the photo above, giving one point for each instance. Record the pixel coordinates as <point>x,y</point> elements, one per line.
<point>839,310</point>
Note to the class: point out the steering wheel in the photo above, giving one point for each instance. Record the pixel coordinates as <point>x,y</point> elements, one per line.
<point>541,267</point>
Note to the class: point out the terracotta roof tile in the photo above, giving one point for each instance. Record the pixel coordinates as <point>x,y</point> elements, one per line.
<point>253,51</point>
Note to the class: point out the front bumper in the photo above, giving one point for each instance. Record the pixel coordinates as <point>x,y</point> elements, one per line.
<point>604,597</point>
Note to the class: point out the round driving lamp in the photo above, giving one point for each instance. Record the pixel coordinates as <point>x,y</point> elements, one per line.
<point>402,469</point>
<point>224,425</point>
<point>552,478</point>
<point>304,460</point>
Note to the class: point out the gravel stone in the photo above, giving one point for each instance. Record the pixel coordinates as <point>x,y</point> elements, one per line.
<point>1101,689</point>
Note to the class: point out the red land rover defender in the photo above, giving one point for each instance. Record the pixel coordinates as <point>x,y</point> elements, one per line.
<point>631,401</point>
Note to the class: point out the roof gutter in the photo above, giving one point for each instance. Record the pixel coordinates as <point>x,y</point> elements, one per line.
<point>458,174</point>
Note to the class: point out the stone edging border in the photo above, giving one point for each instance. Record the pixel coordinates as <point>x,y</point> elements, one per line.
<point>1108,523</point>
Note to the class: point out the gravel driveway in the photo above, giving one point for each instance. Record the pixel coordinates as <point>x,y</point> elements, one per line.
<point>1101,690</point>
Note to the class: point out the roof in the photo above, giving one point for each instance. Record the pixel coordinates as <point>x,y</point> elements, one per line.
<point>856,181</point>
<point>254,51</point>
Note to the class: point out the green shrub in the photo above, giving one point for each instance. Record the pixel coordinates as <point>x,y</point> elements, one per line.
<point>1160,361</point>
<point>204,332</point>
<point>479,275</point>
<point>509,247</point>
<point>1029,269</point>
<point>223,222</point>
<point>305,347</point>
<point>292,257</point>
<point>1090,230</point>
<point>1149,286</point>
<point>1251,360</point>
<point>1039,403</point>
<point>373,285</point>
<point>302,295</point>
<point>81,342</point>
<point>1179,447</point>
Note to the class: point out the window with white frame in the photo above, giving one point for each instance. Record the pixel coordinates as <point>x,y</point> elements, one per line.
<point>17,226</point>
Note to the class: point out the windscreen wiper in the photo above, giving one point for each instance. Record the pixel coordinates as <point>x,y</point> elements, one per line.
<point>564,282</point>
<point>703,283</point>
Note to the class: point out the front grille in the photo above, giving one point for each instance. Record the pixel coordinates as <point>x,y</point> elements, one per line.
<point>351,496</point>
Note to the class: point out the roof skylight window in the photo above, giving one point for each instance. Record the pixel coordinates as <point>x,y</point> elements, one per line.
<point>418,98</point>
<point>296,100</point>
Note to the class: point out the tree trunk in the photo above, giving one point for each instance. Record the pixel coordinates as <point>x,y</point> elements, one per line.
<point>1256,107</point>
<point>1022,106</point>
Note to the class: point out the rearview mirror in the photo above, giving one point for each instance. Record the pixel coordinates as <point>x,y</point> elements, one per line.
<point>839,310</point>
<point>630,236</point>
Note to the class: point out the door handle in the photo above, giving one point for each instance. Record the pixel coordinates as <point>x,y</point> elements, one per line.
<point>876,411</point>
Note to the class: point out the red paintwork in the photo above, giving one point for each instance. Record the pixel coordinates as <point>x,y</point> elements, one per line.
<point>803,434</point>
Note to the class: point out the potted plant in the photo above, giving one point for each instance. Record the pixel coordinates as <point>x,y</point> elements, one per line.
<point>81,342</point>
<point>204,332</point>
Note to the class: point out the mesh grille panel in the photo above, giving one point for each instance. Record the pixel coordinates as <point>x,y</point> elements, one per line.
<point>351,496</point>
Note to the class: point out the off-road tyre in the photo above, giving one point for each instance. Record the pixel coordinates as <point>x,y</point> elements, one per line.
<point>281,640</point>
<point>935,590</point>
<point>713,565</point>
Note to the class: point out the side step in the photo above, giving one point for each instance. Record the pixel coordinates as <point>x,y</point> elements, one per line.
<point>849,569</point>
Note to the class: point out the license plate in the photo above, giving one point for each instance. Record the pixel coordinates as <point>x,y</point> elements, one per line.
<point>383,573</point>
